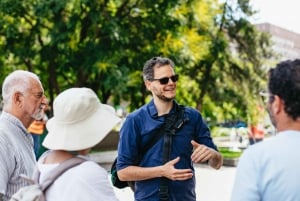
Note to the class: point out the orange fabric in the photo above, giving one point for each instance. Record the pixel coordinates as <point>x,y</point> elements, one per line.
<point>37,127</point>
<point>257,132</point>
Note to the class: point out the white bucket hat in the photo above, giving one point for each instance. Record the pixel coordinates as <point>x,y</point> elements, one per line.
<point>79,122</point>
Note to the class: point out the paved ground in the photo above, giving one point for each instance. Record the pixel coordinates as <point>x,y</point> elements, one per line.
<point>212,185</point>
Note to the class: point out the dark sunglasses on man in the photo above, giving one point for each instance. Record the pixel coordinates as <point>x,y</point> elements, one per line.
<point>165,80</point>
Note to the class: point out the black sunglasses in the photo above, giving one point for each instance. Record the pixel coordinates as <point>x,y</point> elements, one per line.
<point>165,80</point>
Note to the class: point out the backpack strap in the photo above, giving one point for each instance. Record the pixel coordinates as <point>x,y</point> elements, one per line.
<point>59,170</point>
<point>173,123</point>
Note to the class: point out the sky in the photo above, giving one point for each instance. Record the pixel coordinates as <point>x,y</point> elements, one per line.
<point>283,13</point>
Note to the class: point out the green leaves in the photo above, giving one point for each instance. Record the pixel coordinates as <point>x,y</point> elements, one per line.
<point>103,44</point>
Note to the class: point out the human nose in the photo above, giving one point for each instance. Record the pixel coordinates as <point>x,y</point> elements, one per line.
<point>44,102</point>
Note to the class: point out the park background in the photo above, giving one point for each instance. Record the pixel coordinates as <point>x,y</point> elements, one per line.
<point>221,56</point>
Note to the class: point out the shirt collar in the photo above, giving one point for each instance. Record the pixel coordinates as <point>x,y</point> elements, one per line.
<point>14,120</point>
<point>153,111</point>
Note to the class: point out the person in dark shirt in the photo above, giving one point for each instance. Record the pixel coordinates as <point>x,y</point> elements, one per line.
<point>192,143</point>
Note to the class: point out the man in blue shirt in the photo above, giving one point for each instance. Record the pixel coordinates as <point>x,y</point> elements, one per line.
<point>191,143</point>
<point>269,170</point>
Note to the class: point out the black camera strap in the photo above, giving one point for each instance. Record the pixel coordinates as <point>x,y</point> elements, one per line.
<point>172,124</point>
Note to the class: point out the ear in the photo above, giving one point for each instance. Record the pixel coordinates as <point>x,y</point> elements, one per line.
<point>18,98</point>
<point>148,85</point>
<point>277,105</point>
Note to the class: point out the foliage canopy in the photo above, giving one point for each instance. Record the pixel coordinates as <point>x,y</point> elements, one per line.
<point>103,45</point>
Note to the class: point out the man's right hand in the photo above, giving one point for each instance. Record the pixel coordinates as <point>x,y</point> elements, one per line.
<point>169,171</point>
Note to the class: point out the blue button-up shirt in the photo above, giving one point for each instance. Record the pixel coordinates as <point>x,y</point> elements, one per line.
<point>136,132</point>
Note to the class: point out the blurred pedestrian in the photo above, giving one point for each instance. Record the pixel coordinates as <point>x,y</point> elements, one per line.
<point>24,100</point>
<point>269,170</point>
<point>256,134</point>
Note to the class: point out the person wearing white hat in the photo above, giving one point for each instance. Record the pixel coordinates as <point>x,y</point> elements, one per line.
<point>79,122</point>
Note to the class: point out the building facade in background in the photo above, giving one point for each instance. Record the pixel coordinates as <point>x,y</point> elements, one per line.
<point>285,43</point>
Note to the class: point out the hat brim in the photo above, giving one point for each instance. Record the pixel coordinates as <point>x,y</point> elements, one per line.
<point>81,135</point>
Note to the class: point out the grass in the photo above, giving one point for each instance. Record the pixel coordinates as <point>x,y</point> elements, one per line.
<point>228,154</point>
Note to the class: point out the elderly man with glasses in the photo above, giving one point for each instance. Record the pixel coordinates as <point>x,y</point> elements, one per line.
<point>24,101</point>
<point>159,177</point>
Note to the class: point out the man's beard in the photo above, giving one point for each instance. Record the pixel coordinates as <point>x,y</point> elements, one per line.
<point>271,116</point>
<point>39,115</point>
<point>165,99</point>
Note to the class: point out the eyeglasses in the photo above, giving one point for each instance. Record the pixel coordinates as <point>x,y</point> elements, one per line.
<point>165,80</point>
<point>266,96</point>
<point>38,95</point>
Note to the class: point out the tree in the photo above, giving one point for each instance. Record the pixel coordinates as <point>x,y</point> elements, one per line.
<point>230,73</point>
<point>103,45</point>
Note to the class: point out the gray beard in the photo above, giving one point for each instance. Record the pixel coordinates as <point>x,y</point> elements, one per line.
<point>39,115</point>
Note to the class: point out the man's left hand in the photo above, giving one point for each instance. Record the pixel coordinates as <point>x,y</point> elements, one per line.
<point>203,153</point>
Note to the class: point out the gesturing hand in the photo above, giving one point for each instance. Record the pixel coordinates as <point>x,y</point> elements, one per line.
<point>170,172</point>
<point>201,153</point>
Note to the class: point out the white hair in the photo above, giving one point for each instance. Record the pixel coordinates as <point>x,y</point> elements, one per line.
<point>17,81</point>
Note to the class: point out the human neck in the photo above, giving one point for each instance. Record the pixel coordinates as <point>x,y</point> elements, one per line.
<point>289,124</point>
<point>58,156</point>
<point>163,107</point>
